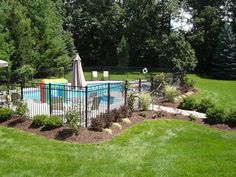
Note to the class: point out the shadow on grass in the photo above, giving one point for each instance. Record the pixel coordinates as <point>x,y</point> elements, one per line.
<point>212,77</point>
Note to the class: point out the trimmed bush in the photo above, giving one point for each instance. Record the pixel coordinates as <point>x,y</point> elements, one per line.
<point>204,105</point>
<point>170,93</point>
<point>73,120</point>
<point>215,116</point>
<point>145,100</point>
<point>5,114</point>
<point>39,120</point>
<point>188,103</point>
<point>231,118</point>
<point>53,122</point>
<point>21,110</point>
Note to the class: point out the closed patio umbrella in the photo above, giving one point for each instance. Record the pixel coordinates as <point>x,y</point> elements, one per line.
<point>3,64</point>
<point>78,79</point>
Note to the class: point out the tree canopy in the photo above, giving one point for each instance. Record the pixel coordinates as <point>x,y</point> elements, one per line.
<point>45,34</point>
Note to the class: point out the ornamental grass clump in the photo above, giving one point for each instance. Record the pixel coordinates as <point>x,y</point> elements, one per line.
<point>170,93</point>
<point>145,100</point>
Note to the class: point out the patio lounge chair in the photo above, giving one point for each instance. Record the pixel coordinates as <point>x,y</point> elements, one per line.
<point>105,75</point>
<point>94,75</point>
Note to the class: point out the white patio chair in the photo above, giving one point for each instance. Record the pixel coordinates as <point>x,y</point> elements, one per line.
<point>105,75</point>
<point>94,75</point>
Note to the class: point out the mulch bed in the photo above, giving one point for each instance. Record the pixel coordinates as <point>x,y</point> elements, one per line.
<point>63,133</point>
<point>86,136</point>
<point>182,90</point>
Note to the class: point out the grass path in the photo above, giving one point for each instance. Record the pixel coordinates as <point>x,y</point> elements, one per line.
<point>151,148</point>
<point>221,91</point>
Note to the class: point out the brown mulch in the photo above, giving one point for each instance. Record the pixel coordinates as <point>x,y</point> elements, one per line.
<point>87,136</point>
<point>165,102</point>
<point>64,133</point>
<point>182,90</point>
<point>166,115</point>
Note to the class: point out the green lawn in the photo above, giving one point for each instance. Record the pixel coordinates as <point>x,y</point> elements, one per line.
<point>151,148</point>
<point>223,93</point>
<point>114,75</point>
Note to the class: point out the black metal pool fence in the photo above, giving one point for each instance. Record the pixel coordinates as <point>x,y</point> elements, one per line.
<point>56,99</point>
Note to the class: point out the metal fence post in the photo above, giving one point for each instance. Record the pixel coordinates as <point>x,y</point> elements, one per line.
<point>108,98</point>
<point>152,79</point>
<point>139,90</point>
<point>50,99</point>
<point>21,91</point>
<point>86,106</point>
<point>126,91</point>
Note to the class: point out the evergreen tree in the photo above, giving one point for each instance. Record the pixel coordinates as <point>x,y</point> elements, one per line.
<point>224,61</point>
<point>6,44</point>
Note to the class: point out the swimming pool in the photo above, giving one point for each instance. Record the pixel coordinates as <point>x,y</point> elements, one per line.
<point>70,93</point>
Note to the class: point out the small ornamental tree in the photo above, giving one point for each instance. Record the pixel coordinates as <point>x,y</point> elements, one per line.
<point>25,73</point>
<point>179,53</point>
<point>224,60</point>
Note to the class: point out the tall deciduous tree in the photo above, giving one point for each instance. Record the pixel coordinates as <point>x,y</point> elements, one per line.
<point>97,28</point>
<point>224,61</point>
<point>179,53</point>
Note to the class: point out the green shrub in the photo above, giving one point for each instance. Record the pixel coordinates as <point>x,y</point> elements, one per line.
<point>231,118</point>
<point>192,117</point>
<point>143,114</point>
<point>204,105</point>
<point>39,120</point>
<point>145,100</point>
<point>215,116</point>
<point>170,93</point>
<point>189,82</point>
<point>188,103</point>
<point>53,122</point>
<point>5,114</point>
<point>21,110</point>
<point>73,120</point>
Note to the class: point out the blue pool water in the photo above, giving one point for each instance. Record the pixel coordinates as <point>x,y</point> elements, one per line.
<point>100,89</point>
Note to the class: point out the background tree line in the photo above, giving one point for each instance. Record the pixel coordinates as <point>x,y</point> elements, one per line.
<point>44,34</point>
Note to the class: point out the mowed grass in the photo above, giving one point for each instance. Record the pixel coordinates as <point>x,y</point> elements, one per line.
<point>151,148</point>
<point>222,92</point>
<point>120,76</point>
